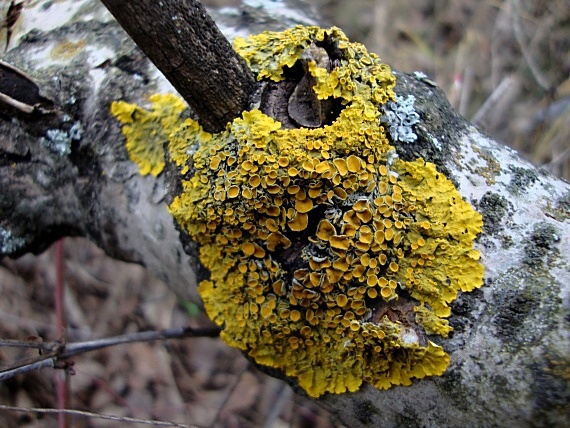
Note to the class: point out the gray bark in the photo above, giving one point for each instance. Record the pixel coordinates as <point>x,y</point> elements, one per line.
<point>64,171</point>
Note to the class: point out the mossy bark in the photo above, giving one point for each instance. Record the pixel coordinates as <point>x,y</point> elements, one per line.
<point>510,347</point>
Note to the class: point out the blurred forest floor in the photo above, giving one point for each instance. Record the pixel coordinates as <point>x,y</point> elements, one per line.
<point>504,64</point>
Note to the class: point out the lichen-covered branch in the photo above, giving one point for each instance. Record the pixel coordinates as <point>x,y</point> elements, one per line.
<point>507,342</point>
<point>330,258</point>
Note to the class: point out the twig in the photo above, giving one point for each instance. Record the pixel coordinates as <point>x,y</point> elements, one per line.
<point>466,89</point>
<point>95,415</point>
<point>59,289</point>
<point>56,349</point>
<point>23,323</point>
<point>519,37</point>
<point>283,396</point>
<point>23,107</point>
<point>61,377</point>
<point>72,349</point>
<point>229,394</point>
<point>44,346</point>
<point>25,368</point>
<point>497,94</point>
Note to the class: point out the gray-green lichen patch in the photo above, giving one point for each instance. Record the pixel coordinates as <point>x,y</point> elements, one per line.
<point>516,308</point>
<point>438,128</point>
<point>463,310</point>
<point>46,16</point>
<point>564,203</point>
<point>255,16</point>
<point>524,299</point>
<point>364,410</point>
<point>541,245</point>
<point>400,117</point>
<point>521,179</point>
<point>10,244</point>
<point>494,208</point>
<point>59,141</point>
<point>551,386</point>
<point>516,333</point>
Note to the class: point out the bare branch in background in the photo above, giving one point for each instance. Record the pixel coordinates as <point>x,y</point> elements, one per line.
<point>93,415</point>
<point>59,352</point>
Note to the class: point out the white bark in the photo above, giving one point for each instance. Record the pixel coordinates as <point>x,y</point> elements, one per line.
<point>510,350</point>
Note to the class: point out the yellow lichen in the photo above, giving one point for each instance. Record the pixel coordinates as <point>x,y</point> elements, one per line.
<point>146,131</point>
<point>313,236</point>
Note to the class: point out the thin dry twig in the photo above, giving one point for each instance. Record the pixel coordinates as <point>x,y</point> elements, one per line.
<point>43,346</point>
<point>62,352</point>
<point>28,323</point>
<point>466,90</point>
<point>229,393</point>
<point>61,378</point>
<point>83,413</point>
<point>519,37</point>
<point>283,397</point>
<point>495,96</point>
<point>558,160</point>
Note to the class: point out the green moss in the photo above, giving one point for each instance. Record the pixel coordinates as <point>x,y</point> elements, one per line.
<point>329,259</point>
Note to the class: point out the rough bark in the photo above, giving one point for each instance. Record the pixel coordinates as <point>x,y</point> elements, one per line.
<point>510,349</point>
<point>181,39</point>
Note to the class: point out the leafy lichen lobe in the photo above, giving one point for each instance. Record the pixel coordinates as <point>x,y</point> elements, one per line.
<point>330,259</point>
<point>147,131</point>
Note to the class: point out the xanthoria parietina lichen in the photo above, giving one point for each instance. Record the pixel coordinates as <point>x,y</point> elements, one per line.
<point>330,259</point>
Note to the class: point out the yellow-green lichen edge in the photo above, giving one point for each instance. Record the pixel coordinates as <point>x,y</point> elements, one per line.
<point>313,237</point>
<point>147,131</point>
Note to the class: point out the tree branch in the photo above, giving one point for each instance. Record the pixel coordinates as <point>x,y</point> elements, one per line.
<point>93,415</point>
<point>181,39</point>
<point>509,348</point>
<point>58,352</point>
